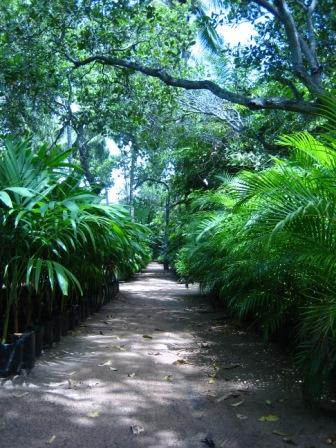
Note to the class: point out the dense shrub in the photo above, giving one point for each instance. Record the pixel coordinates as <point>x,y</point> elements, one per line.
<point>56,237</point>
<point>265,242</point>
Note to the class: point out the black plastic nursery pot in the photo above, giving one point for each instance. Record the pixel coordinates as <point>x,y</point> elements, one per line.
<point>84,310</point>
<point>109,292</point>
<point>71,319</point>
<point>27,340</point>
<point>48,334</point>
<point>39,338</point>
<point>104,295</point>
<point>74,317</point>
<point>93,303</point>
<point>65,323</point>
<point>57,328</point>
<point>11,358</point>
<point>116,287</point>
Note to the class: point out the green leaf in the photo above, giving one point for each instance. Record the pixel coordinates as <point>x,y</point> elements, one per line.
<point>61,278</point>
<point>5,198</point>
<point>37,276</point>
<point>21,191</point>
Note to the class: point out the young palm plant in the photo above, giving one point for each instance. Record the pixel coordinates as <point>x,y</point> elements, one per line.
<point>58,240</point>
<point>271,239</point>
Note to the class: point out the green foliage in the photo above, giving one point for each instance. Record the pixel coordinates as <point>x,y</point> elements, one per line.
<point>265,242</point>
<point>56,236</point>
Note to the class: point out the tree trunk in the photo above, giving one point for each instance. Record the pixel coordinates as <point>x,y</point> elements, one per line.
<point>83,153</point>
<point>131,182</point>
<point>166,234</point>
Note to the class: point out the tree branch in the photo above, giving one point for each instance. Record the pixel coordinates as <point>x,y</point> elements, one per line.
<point>299,48</point>
<point>151,180</point>
<point>292,35</point>
<point>253,103</point>
<point>206,103</point>
<point>268,6</point>
<point>291,85</point>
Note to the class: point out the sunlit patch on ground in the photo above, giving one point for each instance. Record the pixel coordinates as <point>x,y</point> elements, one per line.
<point>158,368</point>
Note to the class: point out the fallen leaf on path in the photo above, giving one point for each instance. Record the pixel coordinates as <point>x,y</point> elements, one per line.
<point>268,418</point>
<point>268,402</point>
<point>154,353</point>
<point>131,375</point>
<point>23,394</point>
<point>279,433</point>
<point>209,442</point>
<point>168,378</point>
<point>227,396</point>
<point>93,414</point>
<point>119,347</point>
<point>231,366</point>
<point>51,440</point>
<point>238,403</point>
<point>180,362</point>
<point>331,440</point>
<point>242,417</point>
<point>107,363</point>
<point>71,384</point>
<point>137,429</point>
<point>146,336</point>
<point>289,441</point>
<point>113,369</point>
<point>212,381</point>
<point>158,329</point>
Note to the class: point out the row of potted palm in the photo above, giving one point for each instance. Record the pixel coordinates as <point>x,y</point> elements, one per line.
<point>60,252</point>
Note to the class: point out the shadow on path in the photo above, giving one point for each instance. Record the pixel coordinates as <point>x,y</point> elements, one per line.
<point>161,360</point>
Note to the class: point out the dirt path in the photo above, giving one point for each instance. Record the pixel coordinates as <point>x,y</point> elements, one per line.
<point>126,368</point>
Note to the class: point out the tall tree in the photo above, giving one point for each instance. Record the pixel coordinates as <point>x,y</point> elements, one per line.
<point>297,44</point>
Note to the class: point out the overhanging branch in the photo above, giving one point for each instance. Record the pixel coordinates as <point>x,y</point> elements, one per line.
<point>253,103</point>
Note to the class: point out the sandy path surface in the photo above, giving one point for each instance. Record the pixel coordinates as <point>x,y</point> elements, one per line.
<point>159,360</point>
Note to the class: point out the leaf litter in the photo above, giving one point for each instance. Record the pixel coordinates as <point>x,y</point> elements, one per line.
<point>180,362</point>
<point>93,414</point>
<point>51,440</point>
<point>137,429</point>
<point>238,403</point>
<point>227,396</point>
<point>268,418</point>
<point>121,348</point>
<point>168,378</point>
